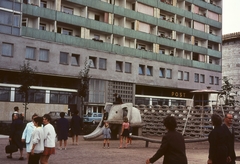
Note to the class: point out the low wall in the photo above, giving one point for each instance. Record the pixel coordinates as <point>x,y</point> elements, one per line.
<point>198,124</point>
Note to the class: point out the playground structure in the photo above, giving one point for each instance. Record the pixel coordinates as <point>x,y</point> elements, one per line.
<point>194,122</point>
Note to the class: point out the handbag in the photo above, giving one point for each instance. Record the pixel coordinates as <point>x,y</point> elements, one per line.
<point>11,148</point>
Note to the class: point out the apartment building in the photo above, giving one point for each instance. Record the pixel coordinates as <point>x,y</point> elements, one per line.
<point>148,51</point>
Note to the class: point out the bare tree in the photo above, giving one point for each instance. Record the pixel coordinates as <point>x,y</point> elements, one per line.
<point>26,79</point>
<point>83,85</point>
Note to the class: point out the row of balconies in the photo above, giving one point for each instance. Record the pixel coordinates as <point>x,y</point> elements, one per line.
<point>106,47</point>
<point>101,27</point>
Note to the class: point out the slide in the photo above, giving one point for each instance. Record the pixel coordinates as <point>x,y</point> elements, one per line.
<point>96,133</point>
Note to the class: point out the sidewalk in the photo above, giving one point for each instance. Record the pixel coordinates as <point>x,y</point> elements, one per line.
<point>91,152</point>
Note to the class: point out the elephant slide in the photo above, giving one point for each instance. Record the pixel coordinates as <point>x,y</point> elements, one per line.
<point>115,118</point>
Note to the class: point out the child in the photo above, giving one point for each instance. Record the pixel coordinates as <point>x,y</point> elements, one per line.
<point>106,135</point>
<point>124,133</point>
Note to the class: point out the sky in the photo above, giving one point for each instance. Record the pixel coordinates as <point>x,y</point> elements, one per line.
<point>231,19</point>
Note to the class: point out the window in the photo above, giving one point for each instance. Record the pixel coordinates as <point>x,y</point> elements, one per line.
<point>93,61</point>
<point>7,49</point>
<point>63,58</point>
<point>25,22</point>
<point>202,78</point>
<point>97,17</point>
<point>162,51</point>
<point>162,72</point>
<point>128,67</point>
<point>30,53</point>
<point>5,93</point>
<point>75,59</point>
<point>67,31</point>
<point>43,55</point>
<point>67,10</point>
<point>186,76</point>
<point>141,70</point>
<point>102,63</point>
<point>42,26</point>
<point>43,4</point>
<point>141,47</point>
<point>58,97</point>
<point>216,80</point>
<point>180,75</point>
<point>211,80</point>
<point>119,66</point>
<point>196,77</point>
<point>149,70</point>
<point>196,43</point>
<point>169,73</point>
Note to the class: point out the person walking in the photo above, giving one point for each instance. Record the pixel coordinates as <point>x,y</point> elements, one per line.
<point>124,132</point>
<point>62,131</point>
<point>37,141</point>
<point>27,133</point>
<point>218,148</point>
<point>229,131</point>
<point>106,135</point>
<point>76,126</point>
<point>16,134</point>
<point>49,139</point>
<point>172,147</point>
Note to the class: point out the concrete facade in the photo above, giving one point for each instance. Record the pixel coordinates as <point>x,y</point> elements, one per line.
<point>149,52</point>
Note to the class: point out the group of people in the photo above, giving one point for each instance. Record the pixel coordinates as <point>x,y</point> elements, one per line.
<point>39,136</point>
<point>221,143</point>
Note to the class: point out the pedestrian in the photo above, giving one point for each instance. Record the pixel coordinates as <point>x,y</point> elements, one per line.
<point>16,135</point>
<point>106,134</point>
<point>124,132</point>
<point>27,133</point>
<point>76,126</point>
<point>62,131</point>
<point>172,147</point>
<point>218,148</point>
<point>16,111</point>
<point>229,131</point>
<point>105,117</point>
<point>37,141</point>
<point>49,139</point>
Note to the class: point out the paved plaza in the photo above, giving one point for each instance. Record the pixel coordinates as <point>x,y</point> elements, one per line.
<point>91,152</point>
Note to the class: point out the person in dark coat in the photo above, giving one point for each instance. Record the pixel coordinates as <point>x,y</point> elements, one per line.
<point>218,148</point>
<point>15,136</point>
<point>172,147</point>
<point>76,126</point>
<point>229,131</point>
<point>62,131</point>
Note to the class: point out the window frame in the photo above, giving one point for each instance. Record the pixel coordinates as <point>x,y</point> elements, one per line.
<point>202,78</point>
<point>196,77</point>
<point>33,54</point>
<point>66,57</point>
<point>8,54</point>
<point>77,58</point>
<point>180,75</point>
<point>162,71</point>
<point>119,66</point>
<point>141,69</point>
<point>128,67</point>
<point>149,71</point>
<point>168,73</point>
<point>43,56</point>
<point>102,63</point>
<point>93,62</point>
<point>186,76</point>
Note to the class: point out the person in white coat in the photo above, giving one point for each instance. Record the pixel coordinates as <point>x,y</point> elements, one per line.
<point>27,133</point>
<point>37,141</point>
<point>49,139</point>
